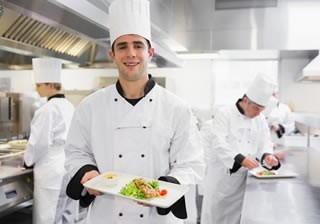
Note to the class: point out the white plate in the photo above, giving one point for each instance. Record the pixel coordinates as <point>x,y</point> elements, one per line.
<point>18,144</point>
<point>175,191</point>
<point>278,173</point>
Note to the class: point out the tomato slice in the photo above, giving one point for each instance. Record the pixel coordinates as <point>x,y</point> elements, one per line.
<point>163,192</point>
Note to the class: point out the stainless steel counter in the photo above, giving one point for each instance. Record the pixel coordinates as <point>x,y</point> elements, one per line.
<point>283,200</point>
<point>16,185</point>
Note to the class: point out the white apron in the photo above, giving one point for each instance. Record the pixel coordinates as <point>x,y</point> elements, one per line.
<point>48,174</point>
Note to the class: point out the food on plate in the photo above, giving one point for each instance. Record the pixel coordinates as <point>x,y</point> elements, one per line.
<point>146,188</point>
<point>266,173</point>
<point>110,179</point>
<point>142,189</point>
<point>21,144</point>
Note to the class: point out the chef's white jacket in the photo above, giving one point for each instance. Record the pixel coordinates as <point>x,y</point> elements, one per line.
<point>156,137</point>
<point>282,115</point>
<point>231,133</point>
<point>45,150</point>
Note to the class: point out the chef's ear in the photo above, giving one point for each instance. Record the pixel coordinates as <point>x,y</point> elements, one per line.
<point>151,53</point>
<point>111,55</point>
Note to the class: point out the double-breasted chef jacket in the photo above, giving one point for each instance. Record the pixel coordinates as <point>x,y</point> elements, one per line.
<point>234,136</point>
<point>45,152</point>
<point>155,137</point>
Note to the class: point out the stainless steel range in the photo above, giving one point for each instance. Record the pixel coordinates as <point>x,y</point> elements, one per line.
<point>16,184</point>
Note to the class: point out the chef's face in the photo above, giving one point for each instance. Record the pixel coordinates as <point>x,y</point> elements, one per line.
<point>43,89</point>
<point>251,108</point>
<point>131,55</point>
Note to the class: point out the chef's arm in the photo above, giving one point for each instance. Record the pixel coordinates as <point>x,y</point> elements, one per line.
<point>241,160</point>
<point>238,159</point>
<point>270,161</point>
<point>178,209</point>
<point>75,189</point>
<point>26,166</point>
<point>280,131</point>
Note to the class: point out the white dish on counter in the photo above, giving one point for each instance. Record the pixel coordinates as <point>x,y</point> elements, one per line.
<point>18,144</point>
<point>175,191</point>
<point>277,173</point>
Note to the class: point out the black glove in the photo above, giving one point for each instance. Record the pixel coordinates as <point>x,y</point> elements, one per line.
<point>27,167</point>
<point>75,188</point>
<point>281,131</point>
<point>178,209</point>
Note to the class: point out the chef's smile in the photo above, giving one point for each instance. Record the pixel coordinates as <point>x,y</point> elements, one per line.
<point>131,64</point>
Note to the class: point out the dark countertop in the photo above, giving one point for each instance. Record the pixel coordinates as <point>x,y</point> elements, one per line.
<point>283,200</point>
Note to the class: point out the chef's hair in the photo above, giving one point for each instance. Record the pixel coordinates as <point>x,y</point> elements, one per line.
<point>57,86</point>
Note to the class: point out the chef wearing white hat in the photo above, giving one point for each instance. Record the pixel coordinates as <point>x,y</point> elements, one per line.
<point>240,136</point>
<point>134,126</point>
<point>45,149</point>
<point>129,17</point>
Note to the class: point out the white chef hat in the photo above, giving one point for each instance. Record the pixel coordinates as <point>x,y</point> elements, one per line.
<point>129,17</point>
<point>261,89</point>
<point>46,70</point>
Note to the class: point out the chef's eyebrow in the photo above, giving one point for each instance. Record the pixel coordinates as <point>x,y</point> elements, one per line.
<point>121,44</point>
<point>126,43</point>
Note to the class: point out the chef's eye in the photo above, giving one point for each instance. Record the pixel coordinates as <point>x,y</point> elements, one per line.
<point>139,46</point>
<point>122,47</point>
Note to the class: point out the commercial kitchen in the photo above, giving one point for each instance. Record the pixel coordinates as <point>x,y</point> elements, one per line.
<point>206,52</point>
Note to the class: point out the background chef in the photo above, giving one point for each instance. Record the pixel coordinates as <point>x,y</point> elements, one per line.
<point>239,135</point>
<point>134,126</point>
<point>45,149</point>
<point>280,118</point>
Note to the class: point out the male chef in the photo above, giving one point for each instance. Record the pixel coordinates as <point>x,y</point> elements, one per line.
<point>240,136</point>
<point>134,126</point>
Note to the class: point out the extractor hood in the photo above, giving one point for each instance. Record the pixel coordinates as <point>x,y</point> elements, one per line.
<point>312,71</point>
<point>41,28</point>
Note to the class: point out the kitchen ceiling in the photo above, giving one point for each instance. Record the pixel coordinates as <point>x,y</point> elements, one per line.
<point>77,30</point>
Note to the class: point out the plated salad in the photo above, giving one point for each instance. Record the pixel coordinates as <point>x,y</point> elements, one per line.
<point>266,173</point>
<point>140,188</point>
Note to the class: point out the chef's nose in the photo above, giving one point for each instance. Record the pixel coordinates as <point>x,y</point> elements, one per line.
<point>131,52</point>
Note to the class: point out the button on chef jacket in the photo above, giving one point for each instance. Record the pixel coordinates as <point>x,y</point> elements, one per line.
<point>155,137</point>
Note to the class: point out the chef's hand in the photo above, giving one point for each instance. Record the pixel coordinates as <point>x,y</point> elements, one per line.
<point>275,127</point>
<point>271,160</point>
<point>250,163</point>
<point>88,176</point>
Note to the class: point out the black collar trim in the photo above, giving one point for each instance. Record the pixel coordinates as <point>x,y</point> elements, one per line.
<point>239,107</point>
<point>56,96</point>
<point>150,84</point>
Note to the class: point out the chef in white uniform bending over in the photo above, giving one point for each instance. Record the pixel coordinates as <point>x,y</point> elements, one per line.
<point>45,149</point>
<point>134,126</point>
<point>240,136</point>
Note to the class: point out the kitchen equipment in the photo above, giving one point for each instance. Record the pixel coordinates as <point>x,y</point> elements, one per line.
<point>16,112</point>
<point>16,186</point>
<point>16,183</point>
